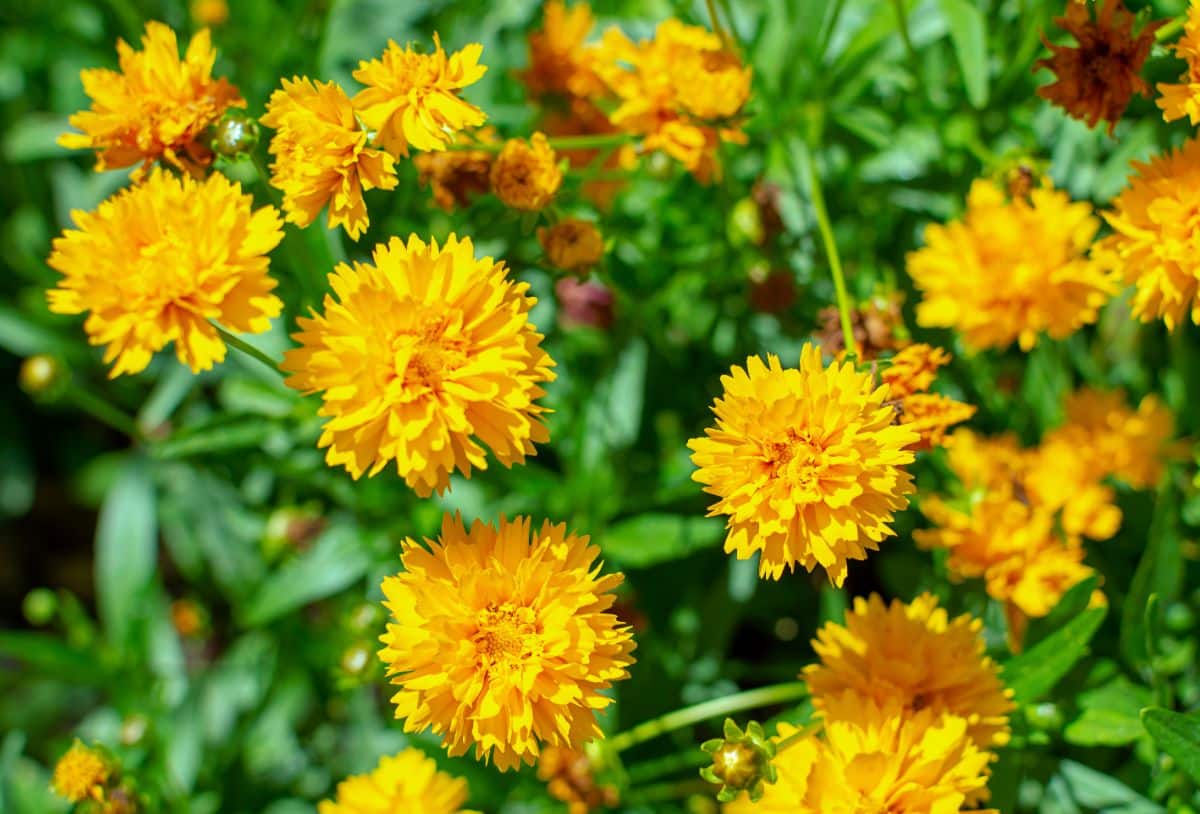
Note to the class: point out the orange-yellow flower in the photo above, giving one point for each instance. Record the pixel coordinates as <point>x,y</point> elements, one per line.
<point>80,774</point>
<point>321,155</point>
<point>501,639</point>
<point>931,415</point>
<point>913,369</point>
<point>1152,245</point>
<point>683,91</point>
<point>559,63</point>
<point>806,463</point>
<point>425,357</point>
<point>1183,99</point>
<point>1011,269</point>
<point>406,782</point>
<point>909,376</point>
<point>875,758</point>
<point>158,262</point>
<point>156,107</point>
<point>1095,80</point>
<point>572,245</point>
<point>455,177</point>
<point>412,100</point>
<point>526,174</point>
<point>915,656</point>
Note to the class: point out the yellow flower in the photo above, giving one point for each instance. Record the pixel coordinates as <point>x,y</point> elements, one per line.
<point>913,369</point>
<point>209,12</point>
<point>501,639</point>
<point>321,155</point>
<point>411,99</point>
<point>424,358</point>
<point>682,91</point>
<point>931,415</point>
<point>1183,99</point>
<point>1011,269</point>
<point>1131,445</point>
<point>559,63</point>
<point>457,176</point>
<point>572,245</point>
<point>155,107</point>
<point>526,175</point>
<point>80,774</point>
<point>407,782</point>
<point>917,657</point>
<point>1152,242</point>
<point>806,463</point>
<point>875,758</point>
<point>156,262</point>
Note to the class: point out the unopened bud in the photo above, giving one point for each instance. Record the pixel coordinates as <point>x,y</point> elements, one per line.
<point>43,377</point>
<point>236,134</point>
<point>40,606</point>
<point>741,761</point>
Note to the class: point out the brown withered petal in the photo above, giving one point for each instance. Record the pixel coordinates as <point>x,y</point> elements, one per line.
<point>1096,79</point>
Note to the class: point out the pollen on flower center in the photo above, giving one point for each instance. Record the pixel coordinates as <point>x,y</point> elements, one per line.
<point>506,636</point>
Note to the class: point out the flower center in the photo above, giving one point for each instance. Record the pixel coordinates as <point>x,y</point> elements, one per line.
<point>424,357</point>
<point>506,637</point>
<point>797,460</point>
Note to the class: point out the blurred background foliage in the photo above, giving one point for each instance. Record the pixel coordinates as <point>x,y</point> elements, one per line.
<point>205,602</point>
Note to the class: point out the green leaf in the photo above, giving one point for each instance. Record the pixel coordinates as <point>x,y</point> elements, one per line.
<point>1072,603</point>
<point>650,539</point>
<point>1111,715</point>
<point>1035,672</point>
<point>126,549</point>
<point>1159,573</point>
<point>336,560</point>
<point>968,32</point>
<point>222,435</point>
<point>1177,734</point>
<point>21,336</point>
<point>35,136</point>
<point>49,655</point>
<point>1103,792</point>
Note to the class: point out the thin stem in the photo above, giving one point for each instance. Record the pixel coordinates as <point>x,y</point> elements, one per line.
<point>718,29</point>
<point>107,413</point>
<point>797,736</point>
<point>651,769</point>
<point>761,697</point>
<point>670,791</point>
<point>1170,29</point>
<point>248,349</point>
<point>264,177</point>
<point>835,263</point>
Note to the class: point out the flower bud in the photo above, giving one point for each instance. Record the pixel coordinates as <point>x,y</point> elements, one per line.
<point>43,377</point>
<point>40,606</point>
<point>741,761</point>
<point>235,134</point>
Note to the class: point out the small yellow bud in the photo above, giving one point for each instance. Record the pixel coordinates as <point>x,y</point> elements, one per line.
<point>80,774</point>
<point>741,761</point>
<point>42,376</point>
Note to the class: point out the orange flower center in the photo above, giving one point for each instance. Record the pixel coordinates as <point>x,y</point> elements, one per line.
<point>506,637</point>
<point>424,357</point>
<point>798,460</point>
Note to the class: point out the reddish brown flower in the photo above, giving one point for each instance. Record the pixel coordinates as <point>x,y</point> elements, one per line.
<point>1097,78</point>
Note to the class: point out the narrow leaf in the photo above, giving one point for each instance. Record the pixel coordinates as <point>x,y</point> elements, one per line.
<point>1035,672</point>
<point>1178,735</point>
<point>126,549</point>
<point>337,559</point>
<point>968,32</point>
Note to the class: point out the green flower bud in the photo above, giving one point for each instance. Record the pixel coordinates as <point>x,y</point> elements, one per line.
<point>40,606</point>
<point>43,377</point>
<point>741,761</point>
<point>236,134</point>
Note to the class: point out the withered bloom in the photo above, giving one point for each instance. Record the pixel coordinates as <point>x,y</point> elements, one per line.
<point>1097,78</point>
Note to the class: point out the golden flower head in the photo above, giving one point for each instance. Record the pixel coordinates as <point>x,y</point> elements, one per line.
<point>321,155</point>
<point>1095,79</point>
<point>156,262</point>
<point>874,757</point>
<point>501,639</point>
<point>81,774</point>
<point>425,357</point>
<point>913,369</point>
<point>409,782</point>
<point>1010,269</point>
<point>916,656</point>
<point>572,245</point>
<point>526,174</point>
<point>559,62</point>
<point>931,415</point>
<point>909,375</point>
<point>806,462</point>
<point>156,107</point>
<point>1183,99</point>
<point>412,99</point>
<point>1152,241</point>
<point>683,91</point>
<point>455,177</point>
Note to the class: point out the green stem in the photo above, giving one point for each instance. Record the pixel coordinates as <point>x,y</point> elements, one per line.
<point>670,791</point>
<point>651,769</point>
<point>248,349</point>
<point>101,410</point>
<point>835,263</point>
<point>264,178</point>
<point>1170,29</point>
<point>718,29</point>
<point>761,697</point>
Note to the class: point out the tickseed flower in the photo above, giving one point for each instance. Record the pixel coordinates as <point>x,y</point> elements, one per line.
<point>572,245</point>
<point>322,156</point>
<point>412,100</point>
<point>155,262</point>
<point>682,91</point>
<point>1095,79</point>
<point>501,639</point>
<point>1183,99</point>
<point>455,177</point>
<point>156,107</point>
<point>806,463</point>
<point>559,62</point>
<point>408,782</point>
<point>526,174</point>
<point>425,357</point>
<point>80,774</point>
<point>909,375</point>
<point>916,656</point>
<point>913,369</point>
<point>874,757</point>
<point>931,415</point>
<point>1152,245</point>
<point>569,778</point>
<point>1010,269</point>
